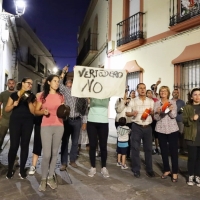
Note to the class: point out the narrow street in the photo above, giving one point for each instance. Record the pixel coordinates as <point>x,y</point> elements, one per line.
<point>76,185</point>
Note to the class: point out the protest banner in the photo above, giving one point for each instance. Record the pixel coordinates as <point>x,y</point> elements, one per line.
<point>98,83</point>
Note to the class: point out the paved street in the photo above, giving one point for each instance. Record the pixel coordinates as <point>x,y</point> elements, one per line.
<point>76,185</point>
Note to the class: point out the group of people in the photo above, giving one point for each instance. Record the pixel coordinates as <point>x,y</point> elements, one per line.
<point>23,111</point>
<point>137,117</point>
<point>169,120</point>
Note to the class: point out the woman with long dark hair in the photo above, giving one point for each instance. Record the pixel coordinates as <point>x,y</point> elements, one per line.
<point>191,121</point>
<point>21,125</point>
<point>51,129</point>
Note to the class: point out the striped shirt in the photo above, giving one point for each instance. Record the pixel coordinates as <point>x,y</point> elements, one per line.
<point>140,105</point>
<point>71,102</point>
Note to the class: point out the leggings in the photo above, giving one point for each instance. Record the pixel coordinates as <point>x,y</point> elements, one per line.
<point>37,144</point>
<point>20,133</point>
<point>97,131</point>
<point>51,139</point>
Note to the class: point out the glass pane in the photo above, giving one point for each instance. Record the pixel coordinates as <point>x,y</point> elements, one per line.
<point>190,77</point>
<point>133,80</point>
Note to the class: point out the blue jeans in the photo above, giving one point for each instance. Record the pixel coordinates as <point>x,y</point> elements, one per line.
<point>71,127</point>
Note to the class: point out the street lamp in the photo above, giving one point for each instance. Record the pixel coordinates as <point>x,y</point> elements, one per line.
<point>55,70</point>
<point>20,7</point>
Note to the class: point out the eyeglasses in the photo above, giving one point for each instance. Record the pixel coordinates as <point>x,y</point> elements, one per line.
<point>29,83</point>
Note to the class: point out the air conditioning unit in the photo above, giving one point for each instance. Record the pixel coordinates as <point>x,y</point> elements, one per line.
<point>111,46</point>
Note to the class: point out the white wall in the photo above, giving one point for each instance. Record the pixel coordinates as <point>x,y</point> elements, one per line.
<point>101,11</point>
<point>7,56</point>
<point>156,18</point>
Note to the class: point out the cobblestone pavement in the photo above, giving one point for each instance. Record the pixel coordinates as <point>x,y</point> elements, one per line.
<point>76,185</point>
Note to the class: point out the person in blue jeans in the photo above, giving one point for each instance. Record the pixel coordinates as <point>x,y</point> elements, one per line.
<point>72,125</point>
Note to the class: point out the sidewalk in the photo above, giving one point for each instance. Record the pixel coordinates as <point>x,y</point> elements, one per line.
<point>76,185</point>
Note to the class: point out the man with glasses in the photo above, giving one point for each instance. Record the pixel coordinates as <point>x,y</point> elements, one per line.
<point>5,116</point>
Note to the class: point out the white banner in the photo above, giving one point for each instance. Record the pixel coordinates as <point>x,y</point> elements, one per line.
<point>98,83</point>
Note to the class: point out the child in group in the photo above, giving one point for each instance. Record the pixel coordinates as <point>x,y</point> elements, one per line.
<point>191,121</point>
<point>123,132</point>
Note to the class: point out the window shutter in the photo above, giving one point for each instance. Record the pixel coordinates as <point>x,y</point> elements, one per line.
<point>190,77</point>
<point>133,80</point>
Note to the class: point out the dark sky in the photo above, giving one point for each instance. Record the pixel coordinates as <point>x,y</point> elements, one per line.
<point>56,23</point>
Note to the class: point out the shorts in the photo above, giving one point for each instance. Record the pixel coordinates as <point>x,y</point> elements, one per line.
<point>122,150</point>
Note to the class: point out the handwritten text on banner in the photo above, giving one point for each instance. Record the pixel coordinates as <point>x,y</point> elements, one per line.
<point>98,83</point>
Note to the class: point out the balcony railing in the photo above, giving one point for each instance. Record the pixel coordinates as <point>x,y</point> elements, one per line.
<point>130,29</point>
<point>181,11</point>
<point>89,45</point>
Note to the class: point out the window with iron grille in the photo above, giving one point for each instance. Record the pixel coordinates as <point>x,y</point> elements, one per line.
<point>132,80</point>
<point>190,77</point>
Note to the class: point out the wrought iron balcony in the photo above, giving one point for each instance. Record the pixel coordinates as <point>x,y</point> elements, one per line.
<point>89,50</point>
<point>130,29</point>
<point>181,11</point>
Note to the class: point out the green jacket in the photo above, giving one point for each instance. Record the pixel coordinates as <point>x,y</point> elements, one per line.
<point>190,126</point>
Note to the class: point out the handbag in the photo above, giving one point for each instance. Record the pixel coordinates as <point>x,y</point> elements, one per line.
<point>63,111</point>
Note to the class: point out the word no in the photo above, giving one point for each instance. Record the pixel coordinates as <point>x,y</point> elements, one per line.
<point>96,87</point>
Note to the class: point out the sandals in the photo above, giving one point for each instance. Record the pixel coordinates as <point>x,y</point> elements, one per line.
<point>165,175</point>
<point>174,180</point>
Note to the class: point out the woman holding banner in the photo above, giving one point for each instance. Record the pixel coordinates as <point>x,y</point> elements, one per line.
<point>100,85</point>
<point>97,128</point>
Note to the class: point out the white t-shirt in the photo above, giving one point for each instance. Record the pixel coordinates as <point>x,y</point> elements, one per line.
<point>122,133</point>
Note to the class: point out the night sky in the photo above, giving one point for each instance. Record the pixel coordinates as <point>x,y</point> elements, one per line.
<point>56,23</point>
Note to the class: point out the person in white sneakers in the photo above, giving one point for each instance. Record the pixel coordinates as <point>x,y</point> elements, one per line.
<point>37,144</point>
<point>97,128</point>
<point>191,121</point>
<point>123,132</point>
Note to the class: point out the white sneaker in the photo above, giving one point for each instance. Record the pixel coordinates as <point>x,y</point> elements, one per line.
<point>104,172</point>
<point>92,172</point>
<point>197,179</point>
<point>119,164</point>
<point>191,181</point>
<point>32,170</point>
<point>124,167</point>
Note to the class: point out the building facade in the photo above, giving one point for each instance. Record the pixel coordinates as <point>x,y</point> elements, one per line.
<point>22,54</point>
<point>159,39</point>
<point>34,60</point>
<point>8,46</point>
